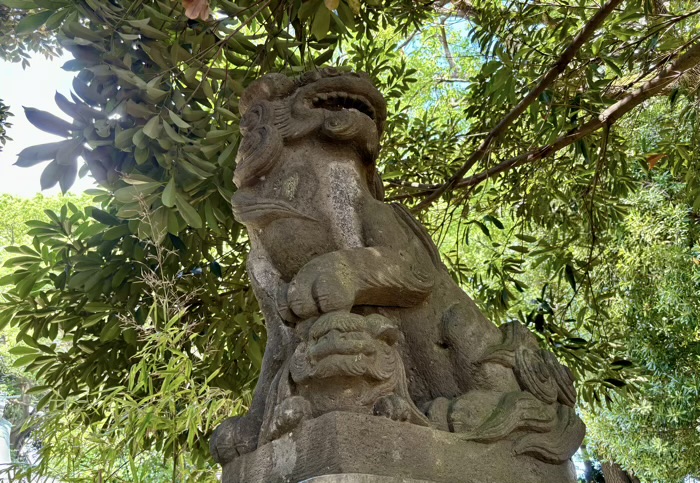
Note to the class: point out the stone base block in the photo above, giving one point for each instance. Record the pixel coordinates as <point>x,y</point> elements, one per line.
<point>356,478</point>
<point>372,449</point>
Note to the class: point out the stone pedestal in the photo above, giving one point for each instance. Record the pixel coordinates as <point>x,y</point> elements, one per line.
<point>357,478</point>
<point>343,447</point>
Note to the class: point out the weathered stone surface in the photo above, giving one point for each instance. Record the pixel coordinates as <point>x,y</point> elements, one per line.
<point>363,317</point>
<point>348,443</point>
<point>357,478</point>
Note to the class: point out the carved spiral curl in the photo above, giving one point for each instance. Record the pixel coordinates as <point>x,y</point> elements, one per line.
<point>261,145</point>
<point>538,371</point>
<point>534,375</point>
<point>356,128</point>
<point>343,126</point>
<point>259,114</point>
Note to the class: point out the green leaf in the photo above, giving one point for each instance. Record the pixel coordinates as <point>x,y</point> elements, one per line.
<point>104,217</point>
<point>134,193</point>
<point>48,122</point>
<point>110,331</point>
<point>178,120</point>
<point>24,360</point>
<point>189,214</point>
<point>152,128</point>
<point>32,23</point>
<point>483,228</point>
<point>67,176</point>
<point>50,176</point>
<point>620,363</point>
<point>674,96</point>
<point>526,238</point>
<point>252,348</point>
<point>216,268</point>
<point>611,63</point>
<point>116,232</point>
<point>155,225</point>
<point>168,196</point>
<point>20,350</point>
<point>130,336</point>
<point>36,154</point>
<point>496,222</point>
<point>322,22</point>
<point>56,19</point>
<point>38,389</point>
<point>172,134</point>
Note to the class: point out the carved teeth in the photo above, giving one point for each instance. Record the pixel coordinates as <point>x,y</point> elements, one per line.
<point>338,101</point>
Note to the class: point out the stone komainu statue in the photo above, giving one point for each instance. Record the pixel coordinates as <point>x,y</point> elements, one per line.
<point>361,314</point>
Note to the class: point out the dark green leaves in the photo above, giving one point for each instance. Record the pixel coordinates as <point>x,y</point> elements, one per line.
<point>48,122</point>
<point>36,154</point>
<point>104,217</point>
<point>570,276</point>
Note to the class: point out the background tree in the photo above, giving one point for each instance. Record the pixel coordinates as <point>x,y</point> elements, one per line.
<point>504,137</point>
<point>15,382</point>
<point>4,123</point>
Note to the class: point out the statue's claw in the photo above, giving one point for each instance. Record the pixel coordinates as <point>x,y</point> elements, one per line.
<point>323,285</point>
<point>289,414</point>
<point>234,437</point>
<point>393,407</point>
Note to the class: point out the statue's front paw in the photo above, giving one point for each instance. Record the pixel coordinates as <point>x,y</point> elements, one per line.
<point>320,287</point>
<point>393,407</point>
<point>233,438</point>
<point>289,414</point>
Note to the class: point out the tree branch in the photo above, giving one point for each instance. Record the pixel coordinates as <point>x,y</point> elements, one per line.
<point>408,40</point>
<point>608,117</point>
<point>545,82</point>
<point>440,80</point>
<point>454,70</point>
<point>686,62</point>
<point>459,8</point>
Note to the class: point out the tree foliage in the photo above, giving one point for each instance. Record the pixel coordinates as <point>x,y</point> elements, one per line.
<point>4,123</point>
<point>657,272</point>
<point>507,135</point>
<point>22,33</point>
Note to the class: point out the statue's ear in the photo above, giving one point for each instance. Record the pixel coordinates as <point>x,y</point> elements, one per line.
<point>377,187</point>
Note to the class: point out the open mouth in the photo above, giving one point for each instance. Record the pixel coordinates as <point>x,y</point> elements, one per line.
<point>337,101</point>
